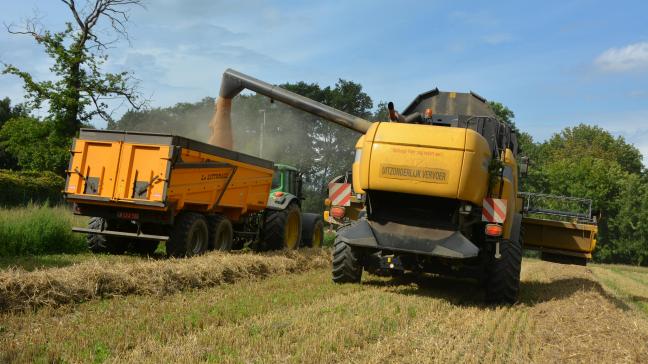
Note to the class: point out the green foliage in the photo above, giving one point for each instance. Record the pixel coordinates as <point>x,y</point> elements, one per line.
<point>21,188</point>
<point>36,229</point>
<point>587,161</point>
<point>80,88</point>
<point>35,144</point>
<point>7,112</point>
<point>503,113</point>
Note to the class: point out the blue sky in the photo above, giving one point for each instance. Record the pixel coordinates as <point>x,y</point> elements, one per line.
<point>555,63</point>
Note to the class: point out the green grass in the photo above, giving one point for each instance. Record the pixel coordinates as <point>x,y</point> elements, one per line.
<point>39,229</point>
<point>329,238</point>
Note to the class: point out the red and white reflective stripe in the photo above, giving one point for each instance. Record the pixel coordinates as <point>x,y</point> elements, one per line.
<point>340,194</point>
<point>494,210</point>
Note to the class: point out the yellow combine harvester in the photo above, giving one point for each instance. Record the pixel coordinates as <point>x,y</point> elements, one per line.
<point>143,188</point>
<point>440,183</point>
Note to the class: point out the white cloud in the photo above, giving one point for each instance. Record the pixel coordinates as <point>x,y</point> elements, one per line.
<point>628,58</point>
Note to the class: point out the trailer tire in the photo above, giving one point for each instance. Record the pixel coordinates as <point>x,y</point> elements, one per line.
<point>282,228</point>
<point>189,236</point>
<point>221,233</point>
<point>346,266</point>
<point>312,231</point>
<point>102,243</point>
<point>503,275</point>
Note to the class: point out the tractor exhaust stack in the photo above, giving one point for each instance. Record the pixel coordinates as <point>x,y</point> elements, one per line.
<point>234,82</point>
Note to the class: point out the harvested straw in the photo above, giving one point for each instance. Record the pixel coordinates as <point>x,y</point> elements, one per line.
<point>20,290</point>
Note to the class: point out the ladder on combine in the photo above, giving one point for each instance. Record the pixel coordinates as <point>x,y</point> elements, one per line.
<point>561,228</point>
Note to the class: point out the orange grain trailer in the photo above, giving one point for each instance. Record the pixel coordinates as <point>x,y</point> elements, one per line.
<point>142,188</point>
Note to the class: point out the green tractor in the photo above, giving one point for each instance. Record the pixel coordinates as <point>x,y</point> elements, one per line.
<point>282,225</point>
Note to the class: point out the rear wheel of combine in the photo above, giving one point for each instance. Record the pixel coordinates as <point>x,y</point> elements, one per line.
<point>103,243</point>
<point>221,233</point>
<point>346,266</point>
<point>312,230</point>
<point>282,229</point>
<point>189,236</point>
<point>503,275</point>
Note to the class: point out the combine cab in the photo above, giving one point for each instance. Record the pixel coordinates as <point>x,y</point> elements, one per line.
<point>561,228</point>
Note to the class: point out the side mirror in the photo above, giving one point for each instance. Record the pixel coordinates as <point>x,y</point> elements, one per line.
<point>300,185</point>
<point>524,166</point>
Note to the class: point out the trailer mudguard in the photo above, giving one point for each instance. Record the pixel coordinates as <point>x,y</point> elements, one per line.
<point>408,239</point>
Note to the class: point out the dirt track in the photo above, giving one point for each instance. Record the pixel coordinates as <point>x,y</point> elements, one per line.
<point>565,314</point>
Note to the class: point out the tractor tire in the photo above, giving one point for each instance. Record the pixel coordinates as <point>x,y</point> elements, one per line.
<point>189,236</point>
<point>503,275</point>
<point>346,266</point>
<point>102,243</point>
<point>282,229</point>
<point>221,233</point>
<point>312,231</point>
<point>144,247</point>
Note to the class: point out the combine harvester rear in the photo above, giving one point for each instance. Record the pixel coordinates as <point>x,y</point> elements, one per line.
<point>440,183</point>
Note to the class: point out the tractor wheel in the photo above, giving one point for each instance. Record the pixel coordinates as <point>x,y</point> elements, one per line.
<point>221,233</point>
<point>503,275</point>
<point>282,229</point>
<point>189,236</point>
<point>346,267</point>
<point>103,243</point>
<point>144,247</point>
<point>312,230</point>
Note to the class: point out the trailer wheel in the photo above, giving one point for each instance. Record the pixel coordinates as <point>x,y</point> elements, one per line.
<point>102,243</point>
<point>503,275</point>
<point>312,230</point>
<point>221,233</point>
<point>346,267</point>
<point>189,236</point>
<point>282,229</point>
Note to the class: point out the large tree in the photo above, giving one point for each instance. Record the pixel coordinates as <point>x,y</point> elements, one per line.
<point>81,89</point>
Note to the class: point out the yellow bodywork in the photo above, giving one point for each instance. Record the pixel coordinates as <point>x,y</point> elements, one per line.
<point>423,160</point>
<point>150,176</point>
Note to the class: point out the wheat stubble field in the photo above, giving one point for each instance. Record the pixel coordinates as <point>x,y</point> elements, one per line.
<point>283,307</point>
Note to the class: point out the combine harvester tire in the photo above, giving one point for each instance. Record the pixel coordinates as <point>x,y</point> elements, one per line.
<point>346,268</point>
<point>503,279</point>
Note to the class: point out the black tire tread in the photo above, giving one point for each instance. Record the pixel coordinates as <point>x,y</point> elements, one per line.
<point>346,267</point>
<point>309,224</point>
<point>503,281</point>
<point>215,222</point>
<point>102,243</point>
<point>274,227</point>
<point>176,245</point>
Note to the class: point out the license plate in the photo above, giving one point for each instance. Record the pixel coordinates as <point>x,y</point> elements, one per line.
<point>128,215</point>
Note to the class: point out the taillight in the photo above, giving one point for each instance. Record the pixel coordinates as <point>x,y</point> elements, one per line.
<point>327,202</point>
<point>493,230</point>
<point>337,212</point>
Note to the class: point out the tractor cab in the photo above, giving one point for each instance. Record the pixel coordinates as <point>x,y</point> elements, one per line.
<point>286,180</point>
